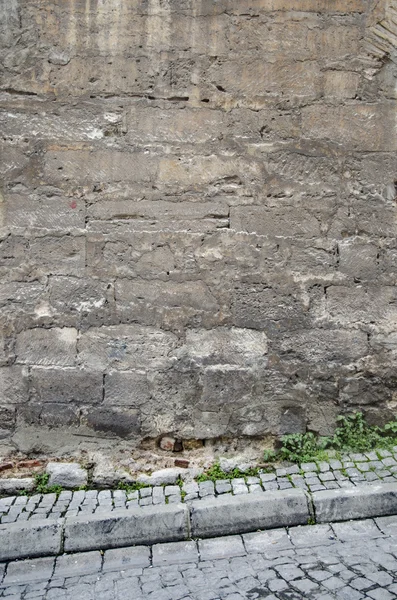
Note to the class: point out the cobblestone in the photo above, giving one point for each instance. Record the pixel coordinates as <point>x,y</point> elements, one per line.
<point>310,562</point>
<point>353,469</point>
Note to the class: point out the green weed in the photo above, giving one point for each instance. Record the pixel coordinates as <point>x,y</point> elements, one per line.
<point>352,434</point>
<point>42,487</point>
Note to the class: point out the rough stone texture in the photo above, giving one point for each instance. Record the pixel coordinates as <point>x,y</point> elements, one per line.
<point>126,528</point>
<point>67,475</point>
<point>197,218</point>
<point>340,505</point>
<point>240,514</point>
<point>25,539</point>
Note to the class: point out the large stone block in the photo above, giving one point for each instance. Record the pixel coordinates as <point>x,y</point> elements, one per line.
<point>13,385</point>
<point>56,346</point>
<point>158,210</point>
<point>24,540</point>
<point>224,346</point>
<point>167,303</point>
<point>66,386</point>
<point>282,221</point>
<point>123,423</point>
<point>361,304</point>
<point>55,213</point>
<point>83,167</point>
<point>358,125</point>
<point>226,514</point>
<point>80,301</point>
<point>359,259</point>
<point>272,309</point>
<point>67,475</point>
<point>124,347</point>
<point>260,78</point>
<point>145,525</point>
<point>197,172</point>
<point>186,125</point>
<point>360,502</point>
<point>322,345</point>
<point>127,388</point>
<point>57,255</point>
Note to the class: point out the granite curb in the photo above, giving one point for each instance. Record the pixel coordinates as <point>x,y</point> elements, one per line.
<point>204,519</point>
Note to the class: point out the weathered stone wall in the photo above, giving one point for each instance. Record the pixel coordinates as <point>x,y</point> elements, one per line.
<point>199,217</point>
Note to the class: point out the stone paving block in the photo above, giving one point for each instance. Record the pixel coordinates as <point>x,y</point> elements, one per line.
<point>225,547</point>
<point>389,461</point>
<point>206,488</point>
<point>145,492</point>
<point>238,487</point>
<point>231,514</point>
<point>25,539</point>
<point>191,487</point>
<point>315,535</point>
<point>223,486</point>
<point>351,530</point>
<point>174,553</point>
<point>174,499</point>
<point>158,495</point>
<point>317,487</point>
<point>255,488</point>
<point>323,466</point>
<point>124,527</point>
<point>335,464</point>
<point>171,490</point>
<point>148,501</point>
<point>14,485</point>
<point>309,467</point>
<point>26,571</point>
<point>271,486</point>
<point>83,563</point>
<point>384,453</point>
<point>327,476</point>
<point>252,480</point>
<point>275,539</point>
<point>359,502</point>
<point>388,525</point>
<point>125,559</point>
<point>266,477</point>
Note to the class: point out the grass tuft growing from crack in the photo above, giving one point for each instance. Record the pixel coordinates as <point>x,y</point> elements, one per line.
<point>215,472</point>
<point>42,487</point>
<point>352,434</point>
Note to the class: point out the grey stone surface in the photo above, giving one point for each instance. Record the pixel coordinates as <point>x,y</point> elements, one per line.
<point>72,565</point>
<point>267,541</point>
<point>13,485</point>
<point>28,571</point>
<point>174,553</point>
<point>67,475</point>
<point>126,558</point>
<point>126,527</point>
<point>351,568</point>
<point>355,503</point>
<point>226,547</point>
<point>228,514</point>
<point>148,232</point>
<point>21,540</point>
<point>163,476</point>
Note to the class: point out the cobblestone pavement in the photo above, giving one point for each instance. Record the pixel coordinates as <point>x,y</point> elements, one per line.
<point>353,469</point>
<point>347,561</point>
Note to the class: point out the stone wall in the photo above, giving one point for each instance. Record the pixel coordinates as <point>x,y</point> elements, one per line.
<point>198,218</point>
